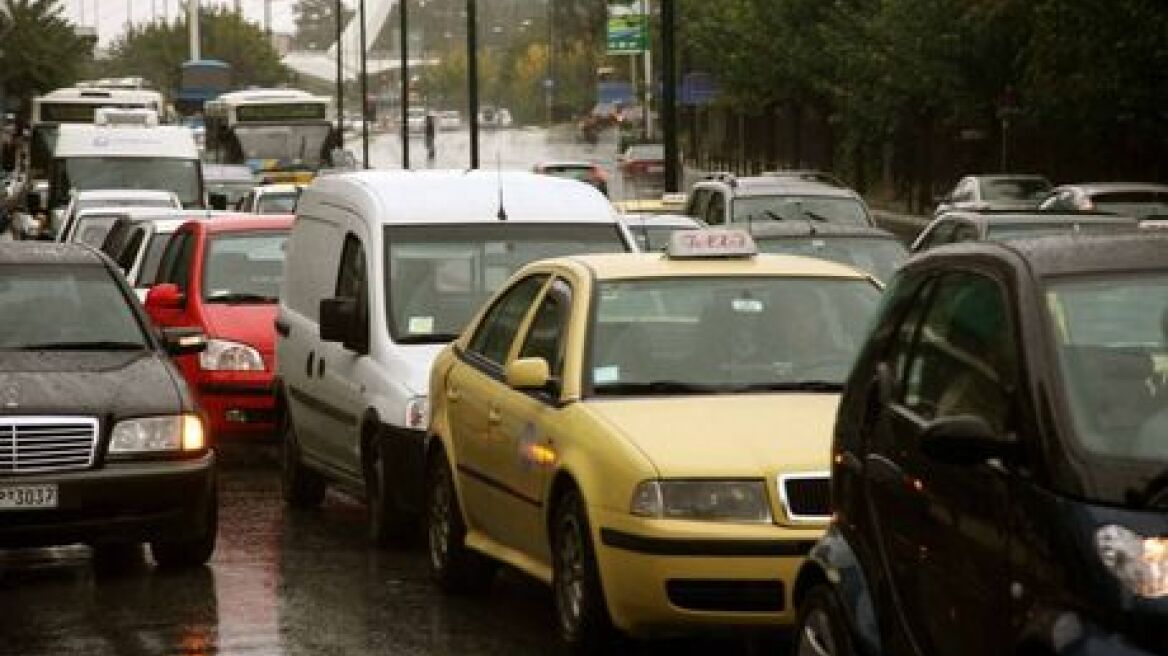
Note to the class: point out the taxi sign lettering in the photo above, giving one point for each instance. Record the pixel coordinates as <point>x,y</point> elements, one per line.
<point>712,243</point>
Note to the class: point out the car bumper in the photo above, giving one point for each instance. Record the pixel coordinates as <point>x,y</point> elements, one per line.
<point>663,577</point>
<point>120,502</point>
<point>239,407</point>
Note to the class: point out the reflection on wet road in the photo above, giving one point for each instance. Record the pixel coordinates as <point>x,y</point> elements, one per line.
<point>281,582</point>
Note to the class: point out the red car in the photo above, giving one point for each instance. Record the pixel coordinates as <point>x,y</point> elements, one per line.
<point>643,164</point>
<point>223,276</point>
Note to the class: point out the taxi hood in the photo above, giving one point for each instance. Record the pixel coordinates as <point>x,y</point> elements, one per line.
<point>739,435</point>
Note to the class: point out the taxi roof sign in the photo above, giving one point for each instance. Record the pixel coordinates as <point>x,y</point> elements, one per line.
<point>710,243</point>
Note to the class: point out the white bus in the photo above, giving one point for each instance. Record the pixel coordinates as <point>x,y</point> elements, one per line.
<point>284,135</point>
<point>78,105</point>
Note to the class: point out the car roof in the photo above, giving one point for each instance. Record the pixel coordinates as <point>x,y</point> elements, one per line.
<point>780,186</point>
<point>48,253</point>
<point>440,196</point>
<point>660,221</point>
<point>782,229</point>
<point>248,222</point>
<point>1069,254</point>
<point>1014,217</point>
<point>618,266</point>
<point>1091,188</point>
<point>117,194</point>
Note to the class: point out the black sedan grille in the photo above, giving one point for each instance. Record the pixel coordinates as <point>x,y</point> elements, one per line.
<point>807,496</point>
<point>31,445</point>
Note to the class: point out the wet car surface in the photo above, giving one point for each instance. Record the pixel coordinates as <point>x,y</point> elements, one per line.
<point>280,582</point>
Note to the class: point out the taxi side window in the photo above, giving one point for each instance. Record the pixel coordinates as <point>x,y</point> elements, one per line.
<point>963,360</point>
<point>545,338</point>
<point>493,337</point>
<point>716,210</point>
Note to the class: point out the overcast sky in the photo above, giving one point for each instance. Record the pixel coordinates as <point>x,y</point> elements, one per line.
<point>110,16</point>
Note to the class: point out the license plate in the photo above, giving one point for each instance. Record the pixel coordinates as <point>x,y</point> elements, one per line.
<point>27,497</point>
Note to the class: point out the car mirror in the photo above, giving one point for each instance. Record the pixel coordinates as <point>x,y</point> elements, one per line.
<point>527,374</point>
<point>166,296</point>
<point>964,440</point>
<point>218,200</point>
<point>184,341</point>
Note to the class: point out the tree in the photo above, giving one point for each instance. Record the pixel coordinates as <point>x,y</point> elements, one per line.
<point>157,51</point>
<point>39,48</point>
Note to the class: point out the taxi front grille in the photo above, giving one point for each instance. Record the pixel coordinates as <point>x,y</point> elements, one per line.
<point>806,496</point>
<point>30,445</point>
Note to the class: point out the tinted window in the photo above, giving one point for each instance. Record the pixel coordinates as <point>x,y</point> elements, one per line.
<point>244,267</point>
<point>495,334</point>
<point>964,357</point>
<point>148,272</point>
<point>64,307</point>
<point>440,275</point>
<point>940,234</point>
<point>129,251</point>
<point>545,338</point>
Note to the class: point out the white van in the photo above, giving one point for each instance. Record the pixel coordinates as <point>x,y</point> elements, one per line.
<point>383,269</point>
<point>118,153</point>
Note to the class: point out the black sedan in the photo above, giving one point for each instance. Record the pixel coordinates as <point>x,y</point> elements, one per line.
<point>954,227</point>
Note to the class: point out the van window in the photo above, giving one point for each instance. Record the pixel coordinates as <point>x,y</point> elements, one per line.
<point>440,275</point>
<point>178,175</point>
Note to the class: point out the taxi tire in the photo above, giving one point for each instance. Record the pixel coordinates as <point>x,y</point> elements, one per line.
<point>821,629</point>
<point>458,569</point>
<point>300,486</point>
<point>588,628</point>
<point>187,554</point>
<point>389,523</point>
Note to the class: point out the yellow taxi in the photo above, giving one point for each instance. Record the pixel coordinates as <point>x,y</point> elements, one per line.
<point>649,434</point>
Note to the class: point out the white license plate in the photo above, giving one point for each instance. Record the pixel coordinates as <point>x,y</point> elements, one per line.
<point>27,497</point>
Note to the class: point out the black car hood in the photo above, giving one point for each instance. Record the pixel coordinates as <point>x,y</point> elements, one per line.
<point>107,385</point>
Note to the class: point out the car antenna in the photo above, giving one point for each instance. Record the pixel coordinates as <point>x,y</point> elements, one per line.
<point>502,215</point>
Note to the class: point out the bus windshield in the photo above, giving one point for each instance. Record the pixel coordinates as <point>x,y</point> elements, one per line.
<point>178,175</point>
<point>290,145</point>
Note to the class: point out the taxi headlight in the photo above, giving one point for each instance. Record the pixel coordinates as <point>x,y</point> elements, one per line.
<point>418,413</point>
<point>157,435</point>
<point>1140,563</point>
<point>723,501</point>
<point>225,355</point>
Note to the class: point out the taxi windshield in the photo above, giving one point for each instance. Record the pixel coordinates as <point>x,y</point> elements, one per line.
<point>440,275</point>
<point>1112,340</point>
<point>727,335</point>
<point>876,256</point>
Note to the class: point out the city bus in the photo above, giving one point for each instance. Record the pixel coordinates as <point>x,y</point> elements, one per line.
<point>79,104</point>
<point>284,135</point>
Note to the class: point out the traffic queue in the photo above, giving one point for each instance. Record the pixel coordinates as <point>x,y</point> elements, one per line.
<point>739,428</point>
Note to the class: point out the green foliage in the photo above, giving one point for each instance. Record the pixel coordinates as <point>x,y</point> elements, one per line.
<point>39,49</point>
<point>157,50</point>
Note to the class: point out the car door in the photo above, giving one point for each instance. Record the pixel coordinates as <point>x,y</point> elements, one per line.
<point>525,436</point>
<point>341,402</point>
<point>472,389</point>
<point>943,527</point>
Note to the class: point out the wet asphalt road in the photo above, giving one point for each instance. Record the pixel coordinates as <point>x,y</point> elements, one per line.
<point>281,582</point>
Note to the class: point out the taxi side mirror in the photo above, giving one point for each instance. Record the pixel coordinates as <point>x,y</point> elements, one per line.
<point>527,374</point>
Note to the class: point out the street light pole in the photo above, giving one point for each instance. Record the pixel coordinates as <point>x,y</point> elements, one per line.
<point>364,89</point>
<point>669,94</point>
<point>405,85</point>
<point>340,79</point>
<point>472,74</point>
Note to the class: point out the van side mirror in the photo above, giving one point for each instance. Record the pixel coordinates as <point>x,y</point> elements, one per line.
<point>217,200</point>
<point>166,296</point>
<point>964,440</point>
<point>184,341</point>
<point>339,322</point>
<point>527,374</point>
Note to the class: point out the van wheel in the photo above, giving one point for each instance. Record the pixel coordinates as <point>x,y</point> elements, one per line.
<point>453,567</point>
<point>579,599</point>
<point>300,486</point>
<point>822,628</point>
<point>186,554</point>
<point>388,522</point>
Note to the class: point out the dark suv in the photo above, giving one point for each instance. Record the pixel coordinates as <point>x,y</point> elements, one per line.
<point>100,441</point>
<point>1000,468</point>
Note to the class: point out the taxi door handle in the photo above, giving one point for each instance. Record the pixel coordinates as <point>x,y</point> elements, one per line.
<point>453,395</point>
<point>494,417</point>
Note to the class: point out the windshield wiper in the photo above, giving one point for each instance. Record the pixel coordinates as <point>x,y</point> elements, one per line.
<point>793,386</point>
<point>85,346</point>
<point>240,297</point>
<point>656,387</point>
<point>816,217</point>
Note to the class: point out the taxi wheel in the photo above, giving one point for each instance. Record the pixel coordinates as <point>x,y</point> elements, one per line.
<point>580,607</point>
<point>301,487</point>
<point>822,629</point>
<point>388,522</point>
<point>453,567</point>
<point>191,553</point>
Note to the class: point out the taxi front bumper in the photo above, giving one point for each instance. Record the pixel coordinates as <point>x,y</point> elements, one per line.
<point>662,576</point>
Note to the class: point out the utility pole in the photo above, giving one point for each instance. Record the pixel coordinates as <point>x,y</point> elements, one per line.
<point>267,17</point>
<point>340,78</point>
<point>193,29</point>
<point>364,89</point>
<point>669,94</point>
<point>404,46</point>
<point>472,74</point>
